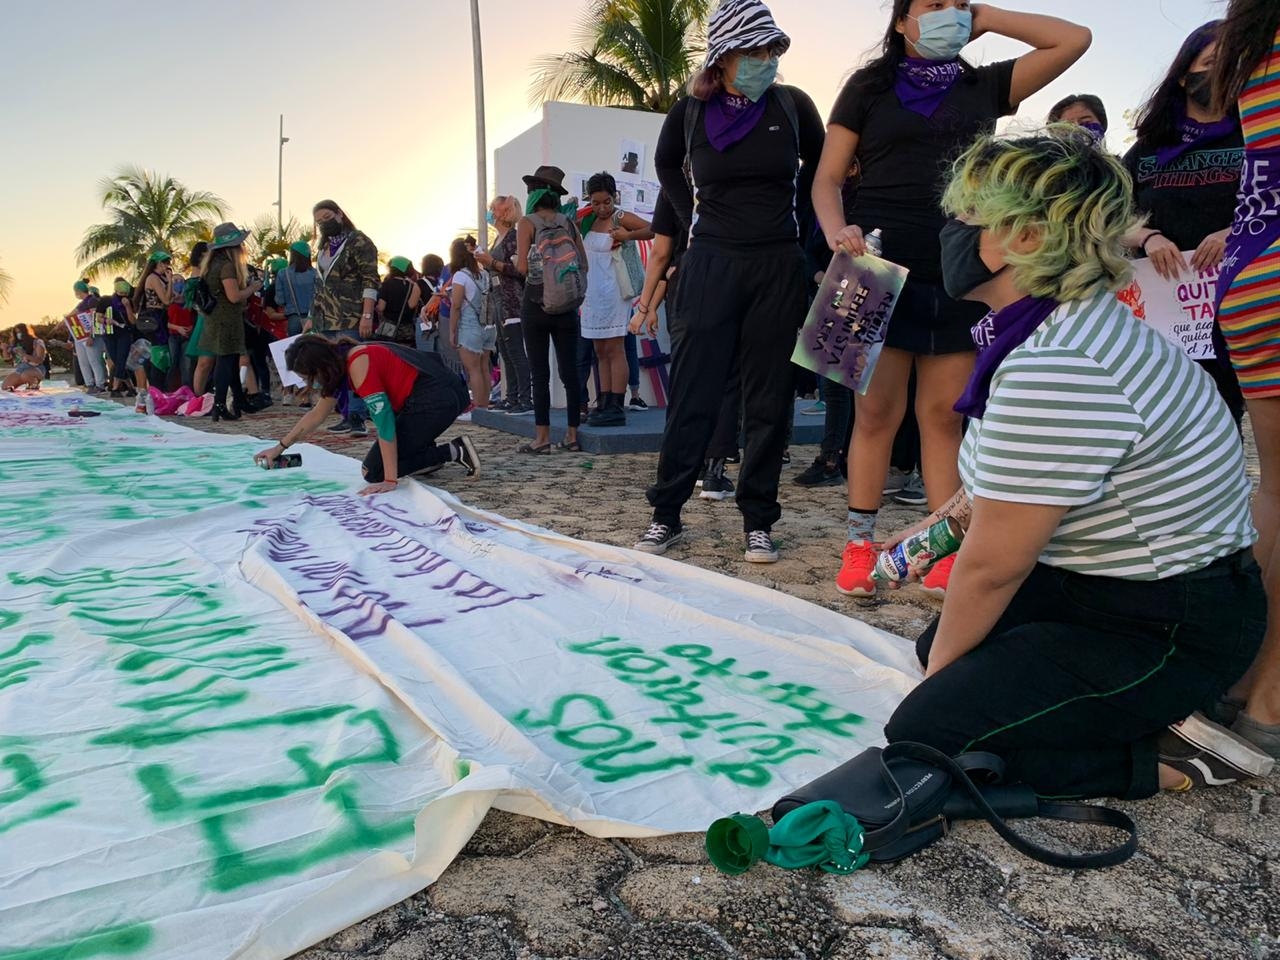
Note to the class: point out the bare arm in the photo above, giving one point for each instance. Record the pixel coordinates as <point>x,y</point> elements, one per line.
<point>305,426</point>
<point>1058,44</point>
<point>646,316</point>
<point>524,240</point>
<point>636,228</point>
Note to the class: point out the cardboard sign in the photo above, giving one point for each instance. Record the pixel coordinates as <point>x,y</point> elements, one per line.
<point>844,333</point>
<point>287,377</point>
<point>1181,309</point>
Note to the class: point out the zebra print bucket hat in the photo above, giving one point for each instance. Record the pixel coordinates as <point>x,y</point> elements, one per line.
<point>742,25</point>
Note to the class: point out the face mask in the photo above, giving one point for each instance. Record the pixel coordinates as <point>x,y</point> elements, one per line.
<point>944,33</point>
<point>1200,89</point>
<point>962,268</point>
<point>755,77</point>
<point>330,228</point>
<point>488,218</point>
<point>1095,128</point>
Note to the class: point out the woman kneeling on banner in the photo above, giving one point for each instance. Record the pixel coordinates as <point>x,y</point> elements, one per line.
<point>1105,587</point>
<point>412,398</point>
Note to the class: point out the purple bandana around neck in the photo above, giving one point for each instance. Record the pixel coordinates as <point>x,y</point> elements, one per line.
<point>730,118</point>
<point>1191,134</point>
<point>922,84</point>
<point>996,336</point>
<point>335,244</point>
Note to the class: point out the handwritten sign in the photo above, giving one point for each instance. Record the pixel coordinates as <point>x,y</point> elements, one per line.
<point>844,333</point>
<point>1181,309</point>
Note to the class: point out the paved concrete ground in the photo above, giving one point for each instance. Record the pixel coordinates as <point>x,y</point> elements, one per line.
<point>1205,884</point>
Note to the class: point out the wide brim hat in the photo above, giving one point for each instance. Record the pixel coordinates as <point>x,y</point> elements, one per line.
<point>742,25</point>
<point>551,178</point>
<point>227,235</point>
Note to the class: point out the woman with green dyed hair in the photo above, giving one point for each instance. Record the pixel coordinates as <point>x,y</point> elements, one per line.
<point>1105,588</point>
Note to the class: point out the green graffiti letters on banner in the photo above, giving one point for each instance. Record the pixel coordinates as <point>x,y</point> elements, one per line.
<point>27,782</point>
<point>112,942</point>
<point>766,737</point>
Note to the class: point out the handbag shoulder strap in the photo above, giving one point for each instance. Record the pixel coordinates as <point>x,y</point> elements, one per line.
<point>1069,812</point>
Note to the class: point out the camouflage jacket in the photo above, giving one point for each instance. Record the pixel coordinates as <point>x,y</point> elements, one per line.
<point>341,289</point>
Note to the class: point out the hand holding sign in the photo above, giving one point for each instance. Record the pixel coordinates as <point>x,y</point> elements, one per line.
<point>1181,308</point>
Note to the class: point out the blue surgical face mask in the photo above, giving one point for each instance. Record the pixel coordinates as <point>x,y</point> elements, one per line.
<point>488,218</point>
<point>755,76</point>
<point>944,33</point>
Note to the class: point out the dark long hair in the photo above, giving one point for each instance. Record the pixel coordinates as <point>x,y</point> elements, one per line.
<point>1246,38</point>
<point>460,258</point>
<point>879,74</point>
<point>299,262</point>
<point>140,291</point>
<point>1158,118</point>
<point>198,252</point>
<point>333,206</point>
<point>318,359</point>
<point>24,335</point>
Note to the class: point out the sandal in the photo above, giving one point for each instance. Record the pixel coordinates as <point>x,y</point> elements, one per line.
<point>531,449</point>
<point>574,447</point>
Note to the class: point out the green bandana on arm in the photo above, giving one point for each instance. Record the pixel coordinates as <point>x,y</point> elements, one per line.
<point>383,417</point>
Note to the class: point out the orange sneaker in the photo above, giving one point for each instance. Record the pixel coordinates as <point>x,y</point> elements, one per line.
<point>854,578</point>
<point>936,580</point>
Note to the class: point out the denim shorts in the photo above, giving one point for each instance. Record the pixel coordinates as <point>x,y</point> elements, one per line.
<point>476,338</point>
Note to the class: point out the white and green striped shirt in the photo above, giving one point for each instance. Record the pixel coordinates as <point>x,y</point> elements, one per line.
<point>1099,413</point>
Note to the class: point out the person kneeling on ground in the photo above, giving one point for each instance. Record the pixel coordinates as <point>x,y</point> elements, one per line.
<point>28,355</point>
<point>412,398</point>
<point>1105,588</point>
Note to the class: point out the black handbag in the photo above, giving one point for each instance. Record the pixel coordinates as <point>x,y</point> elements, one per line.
<point>906,795</point>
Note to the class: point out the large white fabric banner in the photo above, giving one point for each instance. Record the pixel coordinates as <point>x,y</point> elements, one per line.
<point>241,710</point>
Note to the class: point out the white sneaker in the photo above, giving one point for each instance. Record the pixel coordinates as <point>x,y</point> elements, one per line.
<point>463,418</point>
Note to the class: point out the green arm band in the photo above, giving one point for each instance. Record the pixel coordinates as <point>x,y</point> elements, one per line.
<point>383,417</point>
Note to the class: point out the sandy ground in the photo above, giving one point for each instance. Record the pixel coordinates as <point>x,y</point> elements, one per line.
<point>1205,884</point>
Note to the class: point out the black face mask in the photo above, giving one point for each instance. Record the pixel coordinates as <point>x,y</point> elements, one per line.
<point>962,268</point>
<point>1200,89</point>
<point>331,227</point>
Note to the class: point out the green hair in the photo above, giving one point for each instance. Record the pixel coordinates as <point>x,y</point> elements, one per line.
<point>1078,198</point>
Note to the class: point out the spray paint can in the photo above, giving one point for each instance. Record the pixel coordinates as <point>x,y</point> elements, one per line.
<point>875,243</point>
<point>920,551</point>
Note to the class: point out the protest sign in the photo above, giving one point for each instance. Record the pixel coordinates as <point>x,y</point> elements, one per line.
<point>844,333</point>
<point>287,377</point>
<point>1181,309</point>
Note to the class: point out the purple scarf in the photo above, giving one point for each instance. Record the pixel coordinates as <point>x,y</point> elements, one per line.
<point>731,118</point>
<point>996,336</point>
<point>1191,135</point>
<point>923,84</point>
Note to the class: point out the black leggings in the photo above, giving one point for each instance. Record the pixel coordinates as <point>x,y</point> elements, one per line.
<point>541,330</point>
<point>118,345</point>
<point>1081,674</point>
<point>427,413</point>
<point>226,375</point>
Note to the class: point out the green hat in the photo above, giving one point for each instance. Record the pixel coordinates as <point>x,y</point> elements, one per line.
<point>227,235</point>
<point>159,257</point>
<point>278,264</point>
<point>301,247</point>
<point>95,291</point>
<point>81,287</point>
<point>400,263</point>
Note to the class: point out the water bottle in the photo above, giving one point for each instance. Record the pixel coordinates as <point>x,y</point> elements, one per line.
<point>150,404</point>
<point>875,243</point>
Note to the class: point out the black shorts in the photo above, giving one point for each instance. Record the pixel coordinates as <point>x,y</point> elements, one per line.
<point>928,323</point>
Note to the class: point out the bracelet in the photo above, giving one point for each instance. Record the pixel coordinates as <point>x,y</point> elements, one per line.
<point>642,308</point>
<point>282,445</point>
<point>1149,237</point>
<point>366,316</point>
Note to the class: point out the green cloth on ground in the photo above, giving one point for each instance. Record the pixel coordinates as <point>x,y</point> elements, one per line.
<point>817,834</point>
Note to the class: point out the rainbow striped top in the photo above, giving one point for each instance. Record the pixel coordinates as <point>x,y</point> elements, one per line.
<point>1260,104</point>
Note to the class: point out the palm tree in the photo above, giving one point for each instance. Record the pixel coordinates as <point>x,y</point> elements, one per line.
<point>6,284</point>
<point>632,53</point>
<point>147,212</point>
<point>268,241</point>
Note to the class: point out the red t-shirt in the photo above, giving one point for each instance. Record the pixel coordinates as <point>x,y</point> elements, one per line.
<point>387,374</point>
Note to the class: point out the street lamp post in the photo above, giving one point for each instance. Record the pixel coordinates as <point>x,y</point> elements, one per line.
<point>280,180</point>
<point>482,172</point>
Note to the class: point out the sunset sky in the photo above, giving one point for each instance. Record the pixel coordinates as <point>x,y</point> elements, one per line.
<point>377,100</point>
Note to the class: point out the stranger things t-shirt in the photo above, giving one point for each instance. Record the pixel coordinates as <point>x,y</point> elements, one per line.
<point>1192,196</point>
<point>905,158</point>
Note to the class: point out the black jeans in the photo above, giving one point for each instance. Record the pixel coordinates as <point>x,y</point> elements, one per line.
<point>427,413</point>
<point>1082,673</point>
<point>118,345</point>
<point>541,330</point>
<point>515,362</point>
<point>732,303</point>
<point>226,375</point>
<point>258,347</point>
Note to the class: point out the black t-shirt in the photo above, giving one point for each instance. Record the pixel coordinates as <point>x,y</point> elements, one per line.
<point>667,224</point>
<point>904,158</point>
<point>747,194</point>
<point>1193,196</point>
<point>395,292</point>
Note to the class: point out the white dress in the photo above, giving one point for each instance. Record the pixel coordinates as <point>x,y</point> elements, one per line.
<point>604,313</point>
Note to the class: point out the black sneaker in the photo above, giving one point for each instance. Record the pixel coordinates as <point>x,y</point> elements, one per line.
<point>912,492</point>
<point>358,429</point>
<point>786,457</point>
<point>342,426</point>
<point>716,487</point>
<point>637,403</point>
<point>1212,756</point>
<point>760,548</point>
<point>702,477</point>
<point>658,538</point>
<point>464,452</point>
<point>820,473</point>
